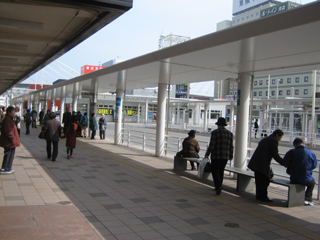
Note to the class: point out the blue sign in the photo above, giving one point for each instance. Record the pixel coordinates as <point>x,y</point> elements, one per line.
<point>239,96</point>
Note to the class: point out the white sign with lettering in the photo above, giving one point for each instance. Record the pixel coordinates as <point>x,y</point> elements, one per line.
<point>241,5</point>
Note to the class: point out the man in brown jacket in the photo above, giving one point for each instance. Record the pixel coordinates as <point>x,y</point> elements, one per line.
<point>52,135</point>
<point>9,140</point>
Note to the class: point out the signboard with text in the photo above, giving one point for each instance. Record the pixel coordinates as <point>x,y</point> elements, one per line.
<point>89,68</point>
<point>278,8</point>
<point>241,5</point>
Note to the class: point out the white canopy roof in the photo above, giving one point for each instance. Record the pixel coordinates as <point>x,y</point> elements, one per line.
<point>282,43</point>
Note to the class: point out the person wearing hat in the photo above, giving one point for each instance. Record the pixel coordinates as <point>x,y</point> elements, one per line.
<point>190,148</point>
<point>221,150</point>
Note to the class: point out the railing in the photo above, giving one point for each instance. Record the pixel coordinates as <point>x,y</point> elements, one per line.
<point>140,137</point>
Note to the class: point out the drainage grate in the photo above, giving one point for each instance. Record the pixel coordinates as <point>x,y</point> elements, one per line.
<point>182,200</point>
<point>64,202</point>
<point>231,225</point>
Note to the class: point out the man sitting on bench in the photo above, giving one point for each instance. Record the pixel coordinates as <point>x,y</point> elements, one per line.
<point>300,162</point>
<point>190,148</point>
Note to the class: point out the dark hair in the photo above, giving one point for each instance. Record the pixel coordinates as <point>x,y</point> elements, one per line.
<point>28,110</point>
<point>3,108</point>
<point>85,114</point>
<point>278,132</point>
<point>48,111</point>
<point>297,141</point>
<point>92,114</point>
<point>10,109</point>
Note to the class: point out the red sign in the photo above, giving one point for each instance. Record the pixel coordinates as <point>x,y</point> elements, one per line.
<point>90,68</point>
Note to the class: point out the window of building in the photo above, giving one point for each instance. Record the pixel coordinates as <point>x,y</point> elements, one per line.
<point>273,93</point>
<point>235,85</point>
<point>255,94</point>
<point>297,79</point>
<point>242,19</point>
<point>247,17</point>
<point>266,93</point>
<point>288,92</point>
<point>267,82</point>
<point>190,113</point>
<point>273,81</point>
<point>234,21</point>
<point>306,79</point>
<point>288,80</point>
<point>235,93</point>
<point>257,14</point>
<point>254,106</point>
<point>231,92</point>
<point>215,114</point>
<point>231,86</point>
<point>296,92</point>
<point>238,20</point>
<point>255,83</point>
<point>260,93</point>
<point>305,91</point>
<point>251,15</point>
<point>280,92</point>
<point>260,82</point>
<point>280,80</point>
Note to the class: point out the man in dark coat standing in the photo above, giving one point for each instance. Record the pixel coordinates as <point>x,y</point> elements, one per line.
<point>53,134</point>
<point>260,163</point>
<point>41,116</point>
<point>34,115</point>
<point>221,150</point>
<point>66,119</point>
<point>9,140</point>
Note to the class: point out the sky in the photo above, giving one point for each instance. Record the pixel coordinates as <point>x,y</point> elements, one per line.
<point>137,32</point>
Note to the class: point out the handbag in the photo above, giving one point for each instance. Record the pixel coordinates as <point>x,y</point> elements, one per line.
<point>202,166</point>
<point>42,134</point>
<point>271,174</point>
<point>208,167</point>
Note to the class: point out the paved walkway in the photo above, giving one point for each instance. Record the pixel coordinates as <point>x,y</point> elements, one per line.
<point>113,192</point>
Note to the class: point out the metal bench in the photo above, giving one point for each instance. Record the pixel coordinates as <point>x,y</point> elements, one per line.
<point>296,192</point>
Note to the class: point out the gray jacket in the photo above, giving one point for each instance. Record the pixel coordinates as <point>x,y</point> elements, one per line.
<point>53,130</point>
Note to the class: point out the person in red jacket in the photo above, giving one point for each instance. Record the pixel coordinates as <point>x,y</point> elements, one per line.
<point>9,140</point>
<point>71,138</point>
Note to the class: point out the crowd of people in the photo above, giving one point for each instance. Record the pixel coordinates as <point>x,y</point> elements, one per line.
<point>299,162</point>
<point>73,125</point>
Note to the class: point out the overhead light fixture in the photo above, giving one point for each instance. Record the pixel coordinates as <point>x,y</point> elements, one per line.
<point>17,47</point>
<point>10,60</point>
<point>13,23</point>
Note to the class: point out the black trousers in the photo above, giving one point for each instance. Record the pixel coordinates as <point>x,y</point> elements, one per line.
<point>310,187</point>
<point>34,123</point>
<point>70,151</point>
<point>55,149</point>
<point>18,131</point>
<point>93,134</point>
<point>192,165</point>
<point>262,184</point>
<point>28,127</point>
<point>102,134</point>
<point>8,158</point>
<point>218,166</point>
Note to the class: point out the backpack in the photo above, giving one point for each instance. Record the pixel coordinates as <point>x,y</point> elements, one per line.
<point>84,122</point>
<point>28,118</point>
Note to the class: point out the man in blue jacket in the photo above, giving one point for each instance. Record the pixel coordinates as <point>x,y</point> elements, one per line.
<point>300,162</point>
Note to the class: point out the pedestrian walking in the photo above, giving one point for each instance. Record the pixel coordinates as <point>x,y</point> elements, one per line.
<point>28,120</point>
<point>9,140</point>
<point>66,119</point>
<point>53,133</point>
<point>221,150</point>
<point>71,139</point>
<point>300,162</point>
<point>34,115</point>
<point>256,128</point>
<point>41,116</point>
<point>84,123</point>
<point>260,163</point>
<point>102,127</point>
<point>93,125</point>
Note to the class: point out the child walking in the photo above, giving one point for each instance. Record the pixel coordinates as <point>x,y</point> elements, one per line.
<point>71,139</point>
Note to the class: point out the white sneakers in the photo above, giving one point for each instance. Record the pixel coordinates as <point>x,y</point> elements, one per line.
<point>6,171</point>
<point>307,203</point>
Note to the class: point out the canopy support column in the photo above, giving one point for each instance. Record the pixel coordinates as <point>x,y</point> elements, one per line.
<point>119,100</point>
<point>205,124</point>
<point>231,118</point>
<point>62,101</point>
<point>53,97</point>
<point>164,77</point>
<point>241,143</point>
<point>75,96</point>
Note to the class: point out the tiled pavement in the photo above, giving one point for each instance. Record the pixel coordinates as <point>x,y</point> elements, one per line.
<point>113,192</point>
